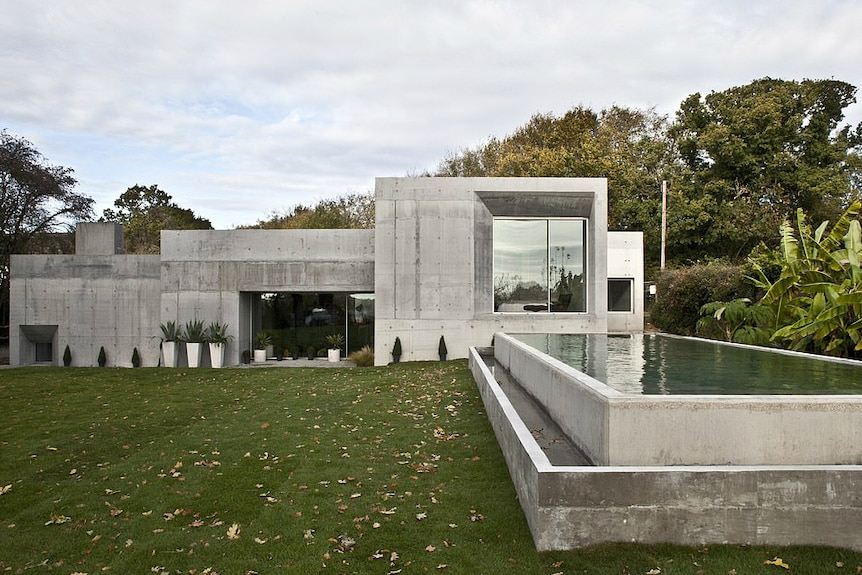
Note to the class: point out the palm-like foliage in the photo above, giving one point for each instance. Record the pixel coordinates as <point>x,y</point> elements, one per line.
<point>739,321</point>
<point>818,297</point>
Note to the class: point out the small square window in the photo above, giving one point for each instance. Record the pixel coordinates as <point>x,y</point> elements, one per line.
<point>44,352</point>
<point>620,294</point>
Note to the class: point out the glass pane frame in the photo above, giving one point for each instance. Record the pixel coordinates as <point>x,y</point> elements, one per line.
<point>540,265</point>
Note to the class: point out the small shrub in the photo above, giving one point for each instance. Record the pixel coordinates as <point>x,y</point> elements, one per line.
<point>335,340</point>
<point>103,358</point>
<point>681,293</point>
<point>136,358</point>
<point>396,349</point>
<point>363,357</point>
<point>246,356</point>
<point>441,348</point>
<point>67,357</point>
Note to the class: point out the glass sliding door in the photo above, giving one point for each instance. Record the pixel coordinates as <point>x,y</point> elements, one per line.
<point>297,321</point>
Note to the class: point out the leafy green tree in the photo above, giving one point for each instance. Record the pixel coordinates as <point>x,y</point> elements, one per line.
<point>755,153</point>
<point>38,206</point>
<point>817,298</point>
<point>629,147</point>
<point>145,212</point>
<point>350,211</point>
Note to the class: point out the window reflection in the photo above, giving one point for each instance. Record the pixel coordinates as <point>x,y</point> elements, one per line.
<point>539,265</point>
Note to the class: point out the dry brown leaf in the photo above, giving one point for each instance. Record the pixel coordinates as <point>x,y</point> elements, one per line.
<point>233,531</point>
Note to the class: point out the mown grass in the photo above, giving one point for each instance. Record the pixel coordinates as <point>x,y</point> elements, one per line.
<point>377,470</point>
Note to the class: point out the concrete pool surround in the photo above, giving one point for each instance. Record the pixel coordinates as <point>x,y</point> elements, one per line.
<point>649,482</point>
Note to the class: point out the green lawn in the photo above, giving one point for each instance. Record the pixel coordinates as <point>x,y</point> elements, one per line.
<point>238,471</point>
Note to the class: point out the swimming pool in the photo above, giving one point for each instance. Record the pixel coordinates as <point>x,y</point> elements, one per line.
<point>615,427</point>
<point>656,364</point>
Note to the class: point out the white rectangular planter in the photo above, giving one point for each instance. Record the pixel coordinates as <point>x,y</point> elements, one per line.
<point>334,355</point>
<point>169,353</point>
<point>193,353</point>
<point>217,355</point>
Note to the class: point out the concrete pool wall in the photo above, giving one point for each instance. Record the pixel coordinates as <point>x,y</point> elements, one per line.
<point>614,428</point>
<point>569,507</point>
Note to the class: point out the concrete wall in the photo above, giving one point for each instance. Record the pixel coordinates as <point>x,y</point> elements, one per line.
<point>626,260</point>
<point>93,300</point>
<point>434,259</point>
<point>571,507</point>
<point>614,428</point>
<point>210,274</point>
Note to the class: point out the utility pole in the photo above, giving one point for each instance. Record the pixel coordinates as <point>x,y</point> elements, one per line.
<point>663,220</point>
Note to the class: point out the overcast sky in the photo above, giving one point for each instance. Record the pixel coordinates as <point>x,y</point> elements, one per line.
<point>237,109</point>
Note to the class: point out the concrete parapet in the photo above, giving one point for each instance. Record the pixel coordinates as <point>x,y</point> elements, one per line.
<point>614,428</point>
<point>571,507</point>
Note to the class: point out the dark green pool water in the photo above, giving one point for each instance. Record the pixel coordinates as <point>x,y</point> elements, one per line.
<point>657,364</point>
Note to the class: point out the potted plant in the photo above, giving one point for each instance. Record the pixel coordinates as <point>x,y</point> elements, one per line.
<point>335,341</point>
<point>193,335</point>
<point>261,340</point>
<point>217,337</point>
<point>396,350</point>
<point>246,356</point>
<point>170,336</point>
<point>441,349</point>
<point>310,352</point>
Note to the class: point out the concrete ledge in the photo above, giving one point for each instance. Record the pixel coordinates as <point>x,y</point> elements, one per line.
<point>615,428</point>
<point>571,507</point>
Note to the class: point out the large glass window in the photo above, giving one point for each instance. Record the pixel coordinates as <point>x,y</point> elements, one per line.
<point>296,321</point>
<point>539,265</point>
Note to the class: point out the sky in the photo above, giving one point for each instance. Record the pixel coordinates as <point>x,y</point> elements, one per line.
<point>240,109</point>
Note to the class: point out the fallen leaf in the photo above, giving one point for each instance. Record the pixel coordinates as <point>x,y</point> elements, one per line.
<point>5,489</point>
<point>778,562</point>
<point>233,531</point>
<point>655,571</point>
<point>430,549</point>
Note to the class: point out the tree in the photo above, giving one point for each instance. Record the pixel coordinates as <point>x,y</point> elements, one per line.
<point>627,146</point>
<point>350,211</point>
<point>145,212</point>
<point>37,201</point>
<point>754,154</point>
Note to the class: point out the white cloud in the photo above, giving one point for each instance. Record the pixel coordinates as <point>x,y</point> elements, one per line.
<point>233,106</point>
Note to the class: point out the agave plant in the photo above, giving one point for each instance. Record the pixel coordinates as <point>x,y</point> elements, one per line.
<point>169,331</point>
<point>217,333</point>
<point>262,339</point>
<point>194,331</point>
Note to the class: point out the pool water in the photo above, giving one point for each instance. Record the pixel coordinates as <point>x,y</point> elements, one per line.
<point>655,364</point>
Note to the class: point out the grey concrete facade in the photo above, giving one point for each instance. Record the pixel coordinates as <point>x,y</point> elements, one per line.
<point>96,298</point>
<point>428,262</point>
<point>205,274</point>
<point>569,507</point>
<point>434,260</point>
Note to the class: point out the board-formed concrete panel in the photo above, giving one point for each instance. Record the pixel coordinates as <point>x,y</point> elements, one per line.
<point>434,259</point>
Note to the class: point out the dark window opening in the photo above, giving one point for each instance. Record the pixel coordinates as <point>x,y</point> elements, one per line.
<point>620,295</point>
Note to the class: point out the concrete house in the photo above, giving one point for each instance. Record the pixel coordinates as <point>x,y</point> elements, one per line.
<point>461,258</point>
